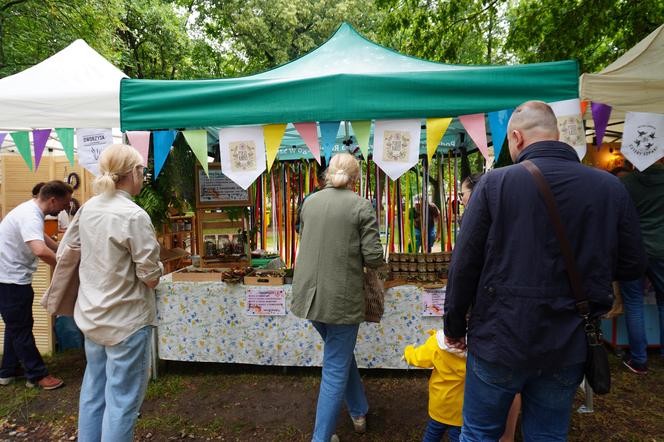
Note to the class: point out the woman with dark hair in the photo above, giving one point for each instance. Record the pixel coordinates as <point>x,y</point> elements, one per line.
<point>467,186</point>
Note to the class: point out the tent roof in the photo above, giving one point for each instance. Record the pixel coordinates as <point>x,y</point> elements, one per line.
<point>347,78</point>
<point>634,82</point>
<point>75,88</point>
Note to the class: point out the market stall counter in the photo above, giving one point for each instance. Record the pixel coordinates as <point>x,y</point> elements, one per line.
<point>223,322</point>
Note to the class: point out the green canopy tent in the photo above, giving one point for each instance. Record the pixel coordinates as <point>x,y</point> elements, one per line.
<point>346,78</point>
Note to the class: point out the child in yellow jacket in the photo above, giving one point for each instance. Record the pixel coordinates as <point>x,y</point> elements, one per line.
<point>445,385</point>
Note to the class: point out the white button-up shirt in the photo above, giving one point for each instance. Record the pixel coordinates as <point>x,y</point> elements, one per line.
<point>119,254</point>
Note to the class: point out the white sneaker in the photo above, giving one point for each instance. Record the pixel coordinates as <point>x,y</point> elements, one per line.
<point>359,424</point>
<point>334,438</point>
<point>7,381</point>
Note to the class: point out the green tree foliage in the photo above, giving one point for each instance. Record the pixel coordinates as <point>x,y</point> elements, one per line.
<point>595,32</point>
<point>256,35</point>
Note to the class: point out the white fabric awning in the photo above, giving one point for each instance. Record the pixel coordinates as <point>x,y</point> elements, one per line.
<point>74,88</point>
<point>634,82</point>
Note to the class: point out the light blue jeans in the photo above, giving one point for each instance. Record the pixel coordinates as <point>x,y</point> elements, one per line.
<point>114,384</point>
<point>341,379</point>
<point>632,293</point>
<point>546,396</point>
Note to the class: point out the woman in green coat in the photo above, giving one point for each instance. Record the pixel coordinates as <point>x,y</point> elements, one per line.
<point>339,237</point>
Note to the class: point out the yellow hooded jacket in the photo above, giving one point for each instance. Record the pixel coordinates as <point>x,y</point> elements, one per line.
<point>447,379</point>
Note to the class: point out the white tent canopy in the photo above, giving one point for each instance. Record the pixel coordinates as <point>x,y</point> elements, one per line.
<point>74,88</point>
<point>634,82</point>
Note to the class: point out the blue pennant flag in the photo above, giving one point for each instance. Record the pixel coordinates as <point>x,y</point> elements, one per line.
<point>498,123</point>
<point>162,141</point>
<point>328,133</point>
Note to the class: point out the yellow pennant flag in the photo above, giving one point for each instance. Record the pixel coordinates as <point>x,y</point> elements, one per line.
<point>436,128</point>
<point>273,134</point>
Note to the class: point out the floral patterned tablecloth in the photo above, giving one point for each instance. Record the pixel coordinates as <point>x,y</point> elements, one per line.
<point>207,322</point>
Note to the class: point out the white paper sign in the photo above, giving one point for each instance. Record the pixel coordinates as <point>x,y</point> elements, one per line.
<point>265,301</point>
<point>643,138</point>
<point>242,154</point>
<point>396,146</point>
<point>570,124</point>
<point>433,302</point>
<point>90,143</point>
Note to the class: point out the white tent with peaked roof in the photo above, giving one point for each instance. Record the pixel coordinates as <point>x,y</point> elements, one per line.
<point>74,88</point>
<point>634,82</point>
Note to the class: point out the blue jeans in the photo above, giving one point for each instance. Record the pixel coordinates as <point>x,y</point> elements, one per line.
<point>418,239</point>
<point>114,384</point>
<point>546,395</point>
<point>19,344</point>
<point>435,431</point>
<point>341,379</point>
<point>632,293</point>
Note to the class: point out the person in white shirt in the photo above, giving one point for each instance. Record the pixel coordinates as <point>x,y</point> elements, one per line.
<point>115,308</point>
<point>21,246</point>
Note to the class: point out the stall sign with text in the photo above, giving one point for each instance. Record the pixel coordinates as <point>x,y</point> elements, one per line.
<point>266,301</point>
<point>433,301</point>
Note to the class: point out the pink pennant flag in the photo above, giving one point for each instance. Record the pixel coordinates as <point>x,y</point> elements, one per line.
<point>309,134</point>
<point>476,128</point>
<point>39,139</point>
<point>140,140</point>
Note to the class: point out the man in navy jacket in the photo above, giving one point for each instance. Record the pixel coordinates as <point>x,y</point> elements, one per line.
<point>524,333</point>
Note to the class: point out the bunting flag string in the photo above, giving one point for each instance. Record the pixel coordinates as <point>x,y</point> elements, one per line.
<point>328,133</point>
<point>140,140</point>
<point>39,139</point>
<point>362,131</point>
<point>197,141</point>
<point>601,114</point>
<point>66,136</point>
<point>436,128</point>
<point>476,128</point>
<point>22,141</point>
<point>309,134</point>
<point>162,141</point>
<point>498,124</point>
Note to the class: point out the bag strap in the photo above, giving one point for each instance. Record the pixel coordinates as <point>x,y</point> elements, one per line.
<point>565,247</point>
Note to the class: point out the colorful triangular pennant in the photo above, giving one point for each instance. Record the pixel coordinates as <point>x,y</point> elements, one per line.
<point>162,140</point>
<point>273,134</point>
<point>328,133</point>
<point>436,128</point>
<point>22,141</point>
<point>66,136</point>
<point>476,128</point>
<point>140,140</point>
<point>2,137</point>
<point>584,107</point>
<point>362,130</point>
<point>498,121</point>
<point>197,141</point>
<point>601,114</point>
<point>309,134</point>
<point>39,139</point>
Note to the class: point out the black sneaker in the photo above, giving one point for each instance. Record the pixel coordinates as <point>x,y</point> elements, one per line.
<point>636,368</point>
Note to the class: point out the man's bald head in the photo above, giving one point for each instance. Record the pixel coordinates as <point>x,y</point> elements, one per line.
<point>531,122</point>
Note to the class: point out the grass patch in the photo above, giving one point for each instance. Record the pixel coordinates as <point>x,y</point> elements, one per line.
<point>166,387</point>
<point>15,399</point>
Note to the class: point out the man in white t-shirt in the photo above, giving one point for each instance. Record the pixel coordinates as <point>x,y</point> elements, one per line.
<point>21,246</point>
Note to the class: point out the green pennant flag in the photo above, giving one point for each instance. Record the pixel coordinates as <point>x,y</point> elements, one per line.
<point>197,141</point>
<point>362,130</point>
<point>66,136</point>
<point>22,141</point>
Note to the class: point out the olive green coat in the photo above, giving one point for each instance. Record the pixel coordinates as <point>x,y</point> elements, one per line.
<point>339,236</point>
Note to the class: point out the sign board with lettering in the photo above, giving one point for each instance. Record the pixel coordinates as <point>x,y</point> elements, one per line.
<point>90,143</point>
<point>266,301</point>
<point>217,190</point>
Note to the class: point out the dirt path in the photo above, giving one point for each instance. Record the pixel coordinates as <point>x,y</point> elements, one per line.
<point>192,401</point>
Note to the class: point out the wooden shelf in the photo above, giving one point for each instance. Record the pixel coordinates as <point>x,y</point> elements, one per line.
<point>175,250</point>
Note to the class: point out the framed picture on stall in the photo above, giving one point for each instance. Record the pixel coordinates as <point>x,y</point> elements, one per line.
<point>217,190</point>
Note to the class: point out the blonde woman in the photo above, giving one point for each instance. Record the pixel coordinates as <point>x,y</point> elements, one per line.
<point>339,237</point>
<point>115,308</point>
